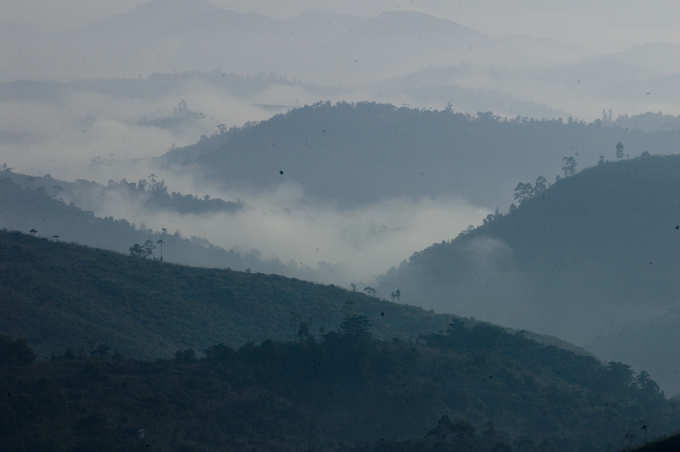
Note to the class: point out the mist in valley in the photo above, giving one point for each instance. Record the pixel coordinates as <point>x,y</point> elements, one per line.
<point>333,196</point>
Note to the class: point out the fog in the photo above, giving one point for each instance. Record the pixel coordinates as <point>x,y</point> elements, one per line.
<point>342,246</point>
<point>528,59</point>
<point>99,90</point>
<point>485,191</point>
<point>64,136</point>
<point>604,25</point>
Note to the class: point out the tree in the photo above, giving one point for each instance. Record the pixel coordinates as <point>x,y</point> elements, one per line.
<point>619,150</point>
<point>568,165</point>
<point>492,217</point>
<point>523,191</point>
<point>647,385</point>
<point>620,375</point>
<point>396,295</point>
<point>144,250</point>
<point>540,186</point>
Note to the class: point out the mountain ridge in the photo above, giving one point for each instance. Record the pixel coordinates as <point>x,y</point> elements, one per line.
<point>594,253</point>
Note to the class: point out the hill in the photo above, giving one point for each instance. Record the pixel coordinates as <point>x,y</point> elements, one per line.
<point>593,254</point>
<point>390,152</point>
<point>197,35</point>
<point>31,206</point>
<point>669,444</point>
<point>150,195</point>
<point>344,391</point>
<point>62,296</point>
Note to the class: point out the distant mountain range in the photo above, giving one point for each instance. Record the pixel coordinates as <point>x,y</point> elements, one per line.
<point>354,54</point>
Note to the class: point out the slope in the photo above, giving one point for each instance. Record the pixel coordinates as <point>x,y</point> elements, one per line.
<point>62,296</point>
<point>344,391</point>
<point>26,208</point>
<point>591,254</point>
<point>391,152</point>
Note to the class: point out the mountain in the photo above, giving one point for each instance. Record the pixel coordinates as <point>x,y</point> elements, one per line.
<point>61,296</point>
<point>439,86</point>
<point>180,35</point>
<point>590,258</point>
<point>148,194</point>
<point>390,152</point>
<point>341,391</point>
<point>28,203</point>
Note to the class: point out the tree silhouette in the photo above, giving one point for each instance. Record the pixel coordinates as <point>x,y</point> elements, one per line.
<point>396,295</point>
<point>568,165</point>
<point>619,150</point>
<point>144,250</point>
<point>540,186</point>
<point>523,191</point>
<point>370,291</point>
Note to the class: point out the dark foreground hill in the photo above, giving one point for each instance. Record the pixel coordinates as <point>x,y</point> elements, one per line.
<point>360,153</point>
<point>62,296</point>
<point>344,391</point>
<point>670,444</point>
<point>593,259</point>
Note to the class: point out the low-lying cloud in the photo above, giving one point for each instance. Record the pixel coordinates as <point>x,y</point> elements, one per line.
<point>343,245</point>
<point>64,134</point>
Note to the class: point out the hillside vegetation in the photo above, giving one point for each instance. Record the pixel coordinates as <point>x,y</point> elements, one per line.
<point>592,254</point>
<point>390,152</point>
<point>344,391</point>
<point>28,203</point>
<point>62,296</point>
<point>149,194</point>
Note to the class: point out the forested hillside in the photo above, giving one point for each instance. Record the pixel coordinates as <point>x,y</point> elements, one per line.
<point>359,153</point>
<point>593,253</point>
<point>150,195</point>
<point>483,388</point>
<point>62,296</point>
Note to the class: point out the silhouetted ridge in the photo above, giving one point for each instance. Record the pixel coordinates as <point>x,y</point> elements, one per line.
<point>594,253</point>
<point>393,152</point>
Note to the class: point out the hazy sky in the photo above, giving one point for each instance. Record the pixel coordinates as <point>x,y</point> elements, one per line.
<point>606,24</point>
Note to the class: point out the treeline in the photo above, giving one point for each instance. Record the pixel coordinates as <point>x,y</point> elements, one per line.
<point>591,259</point>
<point>342,391</point>
<point>150,194</point>
<point>393,152</point>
